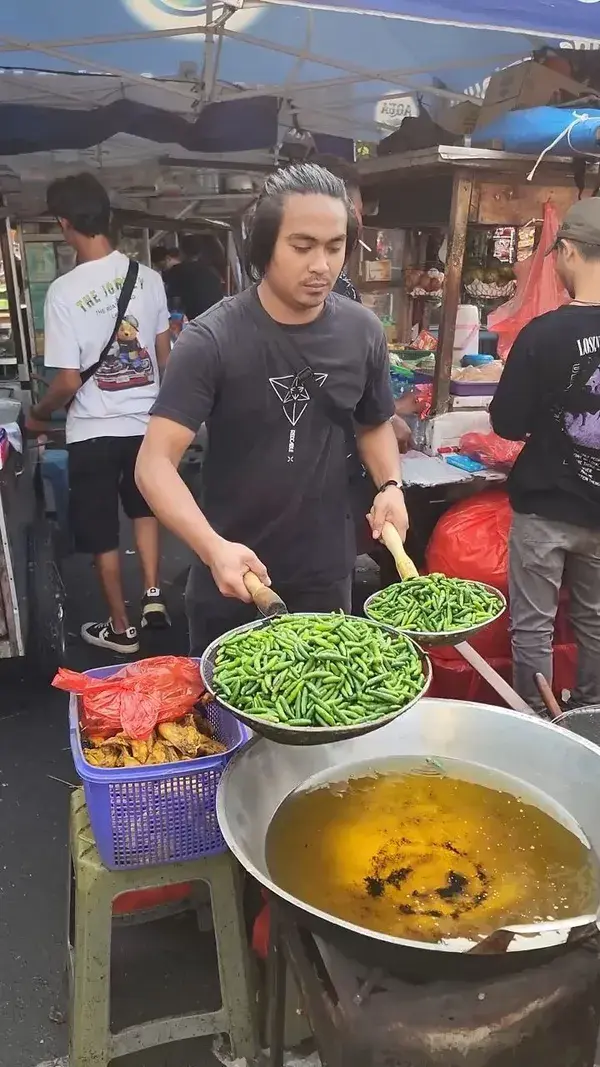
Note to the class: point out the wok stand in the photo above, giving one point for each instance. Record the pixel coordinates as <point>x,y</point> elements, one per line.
<point>363,1017</point>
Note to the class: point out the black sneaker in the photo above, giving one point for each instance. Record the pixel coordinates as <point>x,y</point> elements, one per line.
<point>154,612</point>
<point>102,635</point>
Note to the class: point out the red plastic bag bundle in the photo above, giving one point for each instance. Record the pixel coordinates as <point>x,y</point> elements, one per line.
<point>490,449</point>
<point>539,288</point>
<point>471,540</point>
<point>137,697</point>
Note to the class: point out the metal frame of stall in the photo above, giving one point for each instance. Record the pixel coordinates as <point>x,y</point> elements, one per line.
<point>485,187</point>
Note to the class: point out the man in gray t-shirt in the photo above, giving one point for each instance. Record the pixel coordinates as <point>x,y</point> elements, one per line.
<point>275,496</point>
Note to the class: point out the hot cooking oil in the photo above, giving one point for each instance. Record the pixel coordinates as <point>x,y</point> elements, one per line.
<point>431,850</point>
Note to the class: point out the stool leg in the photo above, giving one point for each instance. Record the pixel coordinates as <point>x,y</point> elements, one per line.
<point>235,966</point>
<point>89,1016</point>
<point>276,992</point>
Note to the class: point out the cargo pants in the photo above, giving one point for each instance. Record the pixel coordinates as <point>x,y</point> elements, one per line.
<point>542,553</point>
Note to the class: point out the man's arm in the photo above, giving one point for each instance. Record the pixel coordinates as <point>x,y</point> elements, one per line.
<point>517,397</point>
<point>378,447</point>
<point>163,349</point>
<point>184,403</point>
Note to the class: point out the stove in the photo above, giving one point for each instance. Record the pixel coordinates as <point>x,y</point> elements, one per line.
<point>544,1016</point>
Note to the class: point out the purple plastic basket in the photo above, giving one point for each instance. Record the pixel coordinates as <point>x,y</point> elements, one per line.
<point>158,814</point>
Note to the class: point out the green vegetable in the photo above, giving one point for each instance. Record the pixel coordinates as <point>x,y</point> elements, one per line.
<point>325,671</point>
<point>435,604</point>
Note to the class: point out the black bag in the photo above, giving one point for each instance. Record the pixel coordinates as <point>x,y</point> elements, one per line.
<point>122,305</point>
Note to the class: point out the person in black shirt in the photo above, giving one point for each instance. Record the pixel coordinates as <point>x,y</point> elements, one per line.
<point>283,373</point>
<point>194,285</point>
<point>549,396</point>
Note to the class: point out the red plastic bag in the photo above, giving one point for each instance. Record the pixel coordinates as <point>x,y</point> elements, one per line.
<point>539,288</point>
<point>471,540</point>
<point>490,449</point>
<point>137,697</point>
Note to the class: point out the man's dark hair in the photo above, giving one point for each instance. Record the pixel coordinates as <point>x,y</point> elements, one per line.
<point>264,219</point>
<point>341,168</point>
<point>83,202</point>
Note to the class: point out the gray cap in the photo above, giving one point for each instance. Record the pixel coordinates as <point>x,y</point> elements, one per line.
<point>582,222</point>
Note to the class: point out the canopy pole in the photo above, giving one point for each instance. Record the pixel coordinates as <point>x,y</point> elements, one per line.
<point>462,188</point>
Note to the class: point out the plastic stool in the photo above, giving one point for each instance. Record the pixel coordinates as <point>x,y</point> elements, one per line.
<point>91,1042</point>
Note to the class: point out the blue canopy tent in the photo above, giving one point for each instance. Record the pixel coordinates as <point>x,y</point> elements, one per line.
<point>330,59</point>
<point>147,79</point>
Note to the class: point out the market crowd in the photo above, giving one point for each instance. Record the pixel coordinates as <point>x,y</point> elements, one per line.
<point>291,377</point>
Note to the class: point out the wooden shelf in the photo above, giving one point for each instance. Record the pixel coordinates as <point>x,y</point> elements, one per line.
<point>374,287</point>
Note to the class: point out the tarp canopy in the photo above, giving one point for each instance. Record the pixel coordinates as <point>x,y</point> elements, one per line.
<point>334,65</point>
<point>142,79</point>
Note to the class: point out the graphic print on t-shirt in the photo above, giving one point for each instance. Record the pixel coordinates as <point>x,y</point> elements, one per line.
<point>128,364</point>
<point>295,398</point>
<point>581,411</point>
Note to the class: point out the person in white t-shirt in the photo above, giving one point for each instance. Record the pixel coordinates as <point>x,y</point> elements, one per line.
<point>108,414</point>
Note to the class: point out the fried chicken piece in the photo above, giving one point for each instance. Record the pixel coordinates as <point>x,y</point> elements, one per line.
<point>102,757</point>
<point>140,750</point>
<point>186,739</point>
<point>209,747</point>
<point>130,761</point>
<point>161,753</point>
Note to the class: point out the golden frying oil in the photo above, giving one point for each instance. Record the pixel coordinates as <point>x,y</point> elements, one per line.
<point>442,850</point>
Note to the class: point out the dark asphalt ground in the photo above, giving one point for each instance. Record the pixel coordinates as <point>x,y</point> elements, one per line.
<point>159,968</point>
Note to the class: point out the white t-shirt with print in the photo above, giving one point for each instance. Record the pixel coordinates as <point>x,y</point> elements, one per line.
<point>79,317</point>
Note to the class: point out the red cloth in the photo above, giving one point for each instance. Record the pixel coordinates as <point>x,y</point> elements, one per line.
<point>455,679</point>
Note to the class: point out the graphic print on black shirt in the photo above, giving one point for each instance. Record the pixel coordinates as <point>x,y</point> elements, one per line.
<point>295,398</point>
<point>275,475</point>
<point>549,397</point>
<point>579,415</point>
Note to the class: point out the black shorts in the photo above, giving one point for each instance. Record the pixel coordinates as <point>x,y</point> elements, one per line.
<point>101,472</point>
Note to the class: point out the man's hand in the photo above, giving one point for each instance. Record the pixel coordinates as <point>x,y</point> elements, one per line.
<point>36,426</point>
<point>229,563</point>
<point>389,506</point>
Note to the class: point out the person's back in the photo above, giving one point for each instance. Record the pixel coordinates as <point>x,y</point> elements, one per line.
<point>194,284</point>
<point>549,396</point>
<point>108,407</point>
<point>79,318</point>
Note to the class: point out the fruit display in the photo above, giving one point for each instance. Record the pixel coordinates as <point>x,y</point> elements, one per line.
<point>423,282</point>
<point>490,283</point>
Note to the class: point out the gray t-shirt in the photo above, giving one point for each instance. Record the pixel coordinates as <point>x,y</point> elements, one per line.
<point>276,471</point>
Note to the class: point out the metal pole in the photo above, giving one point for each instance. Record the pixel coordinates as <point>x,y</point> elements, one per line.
<point>457,239</point>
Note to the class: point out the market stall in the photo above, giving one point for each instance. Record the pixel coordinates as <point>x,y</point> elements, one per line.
<point>450,226</point>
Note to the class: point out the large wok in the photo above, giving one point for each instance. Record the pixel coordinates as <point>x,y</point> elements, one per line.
<point>562,765</point>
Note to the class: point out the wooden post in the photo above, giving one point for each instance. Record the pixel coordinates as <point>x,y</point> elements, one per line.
<point>457,239</point>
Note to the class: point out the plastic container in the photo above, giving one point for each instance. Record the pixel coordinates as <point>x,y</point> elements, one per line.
<point>146,816</point>
<point>473,388</point>
<point>466,333</point>
<point>476,359</point>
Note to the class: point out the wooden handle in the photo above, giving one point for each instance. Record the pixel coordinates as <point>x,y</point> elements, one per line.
<point>493,679</point>
<point>393,542</point>
<point>554,708</point>
<point>268,602</point>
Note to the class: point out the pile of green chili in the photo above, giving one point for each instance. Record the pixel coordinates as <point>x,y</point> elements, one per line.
<point>324,671</point>
<point>435,604</point>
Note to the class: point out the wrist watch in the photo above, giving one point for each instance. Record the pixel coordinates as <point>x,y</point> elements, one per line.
<point>389,484</point>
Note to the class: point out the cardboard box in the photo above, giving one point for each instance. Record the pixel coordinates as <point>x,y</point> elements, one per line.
<point>377,270</point>
<point>525,85</point>
<point>460,119</point>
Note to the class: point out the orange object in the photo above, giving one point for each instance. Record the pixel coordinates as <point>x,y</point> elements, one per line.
<point>144,899</point>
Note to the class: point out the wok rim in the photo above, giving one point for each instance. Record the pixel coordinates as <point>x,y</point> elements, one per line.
<point>527,943</point>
